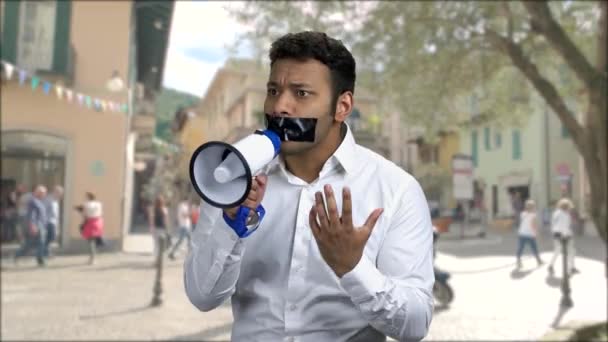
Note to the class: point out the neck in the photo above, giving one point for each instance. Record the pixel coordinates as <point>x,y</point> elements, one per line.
<point>307,165</point>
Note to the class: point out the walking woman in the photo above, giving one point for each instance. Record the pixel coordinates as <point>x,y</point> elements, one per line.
<point>528,231</point>
<point>561,227</point>
<point>92,225</point>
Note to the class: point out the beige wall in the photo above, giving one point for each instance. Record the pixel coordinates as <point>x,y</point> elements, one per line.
<point>100,35</point>
<point>93,136</point>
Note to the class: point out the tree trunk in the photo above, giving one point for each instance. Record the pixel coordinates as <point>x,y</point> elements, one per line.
<point>597,205</point>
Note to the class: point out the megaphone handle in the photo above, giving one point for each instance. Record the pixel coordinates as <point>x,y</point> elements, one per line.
<point>239,223</point>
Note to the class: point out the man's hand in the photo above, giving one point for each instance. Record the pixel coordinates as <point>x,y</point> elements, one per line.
<point>340,244</point>
<point>256,194</point>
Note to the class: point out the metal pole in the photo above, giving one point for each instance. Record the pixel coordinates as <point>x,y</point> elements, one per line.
<point>158,286</point>
<point>566,301</point>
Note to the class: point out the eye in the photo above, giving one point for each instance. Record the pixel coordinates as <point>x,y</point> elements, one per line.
<point>302,93</point>
<point>271,92</point>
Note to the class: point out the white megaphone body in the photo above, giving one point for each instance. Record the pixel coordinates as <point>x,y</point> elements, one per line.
<point>222,173</point>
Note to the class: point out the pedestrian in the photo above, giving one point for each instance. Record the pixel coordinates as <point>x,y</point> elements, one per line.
<point>184,224</point>
<point>333,242</point>
<point>23,199</point>
<point>528,232</point>
<point>11,219</point>
<point>92,226</point>
<point>194,213</point>
<point>52,209</point>
<point>35,221</point>
<point>561,227</point>
<point>158,222</point>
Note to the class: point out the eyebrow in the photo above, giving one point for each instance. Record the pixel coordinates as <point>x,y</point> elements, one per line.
<point>292,84</point>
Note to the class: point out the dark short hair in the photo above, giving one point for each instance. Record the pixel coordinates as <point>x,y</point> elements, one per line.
<point>319,46</point>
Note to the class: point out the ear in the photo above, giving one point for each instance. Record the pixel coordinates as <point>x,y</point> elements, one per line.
<point>344,106</point>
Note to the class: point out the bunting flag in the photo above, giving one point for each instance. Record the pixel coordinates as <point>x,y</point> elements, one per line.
<point>46,87</point>
<point>8,69</point>
<point>22,76</point>
<point>35,82</point>
<point>70,95</point>
<point>59,91</point>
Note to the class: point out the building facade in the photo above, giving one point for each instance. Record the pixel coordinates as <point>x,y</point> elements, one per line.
<point>536,159</point>
<point>62,123</point>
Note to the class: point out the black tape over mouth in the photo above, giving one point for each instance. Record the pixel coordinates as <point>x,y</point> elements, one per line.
<point>292,129</point>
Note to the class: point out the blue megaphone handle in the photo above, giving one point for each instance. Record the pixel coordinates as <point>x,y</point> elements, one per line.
<point>239,223</point>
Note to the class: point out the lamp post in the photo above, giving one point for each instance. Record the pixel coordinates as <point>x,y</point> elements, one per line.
<point>566,301</point>
<point>158,284</point>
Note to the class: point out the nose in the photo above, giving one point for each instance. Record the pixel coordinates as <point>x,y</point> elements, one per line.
<point>280,104</point>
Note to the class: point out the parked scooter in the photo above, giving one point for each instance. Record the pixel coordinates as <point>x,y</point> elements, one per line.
<point>442,291</point>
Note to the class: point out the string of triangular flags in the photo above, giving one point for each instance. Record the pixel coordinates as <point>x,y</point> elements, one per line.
<point>62,92</point>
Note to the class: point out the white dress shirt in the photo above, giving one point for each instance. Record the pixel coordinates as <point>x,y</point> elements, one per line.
<point>282,289</point>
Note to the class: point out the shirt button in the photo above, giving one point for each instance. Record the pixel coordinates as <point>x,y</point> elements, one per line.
<point>293,307</point>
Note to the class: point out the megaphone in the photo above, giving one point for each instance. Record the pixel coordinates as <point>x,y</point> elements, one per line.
<point>222,174</point>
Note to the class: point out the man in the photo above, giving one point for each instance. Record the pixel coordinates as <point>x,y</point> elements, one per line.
<point>184,226</point>
<point>352,265</point>
<point>35,233</point>
<point>52,209</point>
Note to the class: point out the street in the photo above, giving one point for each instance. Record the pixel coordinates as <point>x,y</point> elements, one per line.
<point>73,301</point>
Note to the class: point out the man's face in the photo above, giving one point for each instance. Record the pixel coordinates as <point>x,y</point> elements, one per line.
<point>301,89</point>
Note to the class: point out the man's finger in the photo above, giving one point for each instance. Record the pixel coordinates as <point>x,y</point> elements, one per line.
<point>332,208</point>
<point>261,182</point>
<point>312,221</point>
<point>370,223</point>
<point>347,208</point>
<point>320,209</point>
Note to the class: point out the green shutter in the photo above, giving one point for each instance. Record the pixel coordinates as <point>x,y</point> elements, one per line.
<point>516,145</point>
<point>61,49</point>
<point>10,31</point>
<point>498,140</point>
<point>474,147</point>
<point>486,137</point>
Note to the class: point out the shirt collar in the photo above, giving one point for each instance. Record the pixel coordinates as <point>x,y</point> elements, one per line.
<point>343,156</point>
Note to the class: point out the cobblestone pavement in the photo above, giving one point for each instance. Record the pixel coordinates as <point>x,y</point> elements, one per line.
<point>109,301</point>
<point>70,300</point>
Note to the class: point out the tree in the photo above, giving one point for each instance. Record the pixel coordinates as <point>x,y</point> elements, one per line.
<point>439,58</point>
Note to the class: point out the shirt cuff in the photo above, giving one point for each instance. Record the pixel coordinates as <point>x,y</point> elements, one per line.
<point>363,281</point>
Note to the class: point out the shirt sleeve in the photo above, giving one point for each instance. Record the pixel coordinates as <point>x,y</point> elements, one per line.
<point>212,267</point>
<point>395,294</point>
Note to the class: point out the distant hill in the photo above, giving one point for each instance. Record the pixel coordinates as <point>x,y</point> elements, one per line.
<point>167,103</point>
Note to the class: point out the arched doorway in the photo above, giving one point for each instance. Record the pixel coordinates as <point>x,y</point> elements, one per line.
<point>30,158</point>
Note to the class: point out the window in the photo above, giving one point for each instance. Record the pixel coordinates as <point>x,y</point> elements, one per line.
<point>486,138</point>
<point>36,35</point>
<point>497,139</point>
<point>474,147</point>
<point>516,144</point>
<point>565,133</point>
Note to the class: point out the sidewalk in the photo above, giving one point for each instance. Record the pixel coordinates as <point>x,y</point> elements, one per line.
<point>69,300</point>
<point>494,301</point>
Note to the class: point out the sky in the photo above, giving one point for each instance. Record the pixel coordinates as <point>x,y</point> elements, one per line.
<point>200,31</point>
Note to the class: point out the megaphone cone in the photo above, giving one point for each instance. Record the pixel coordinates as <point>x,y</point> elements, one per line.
<point>221,173</point>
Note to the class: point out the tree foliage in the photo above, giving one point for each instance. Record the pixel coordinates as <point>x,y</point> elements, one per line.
<point>440,62</point>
